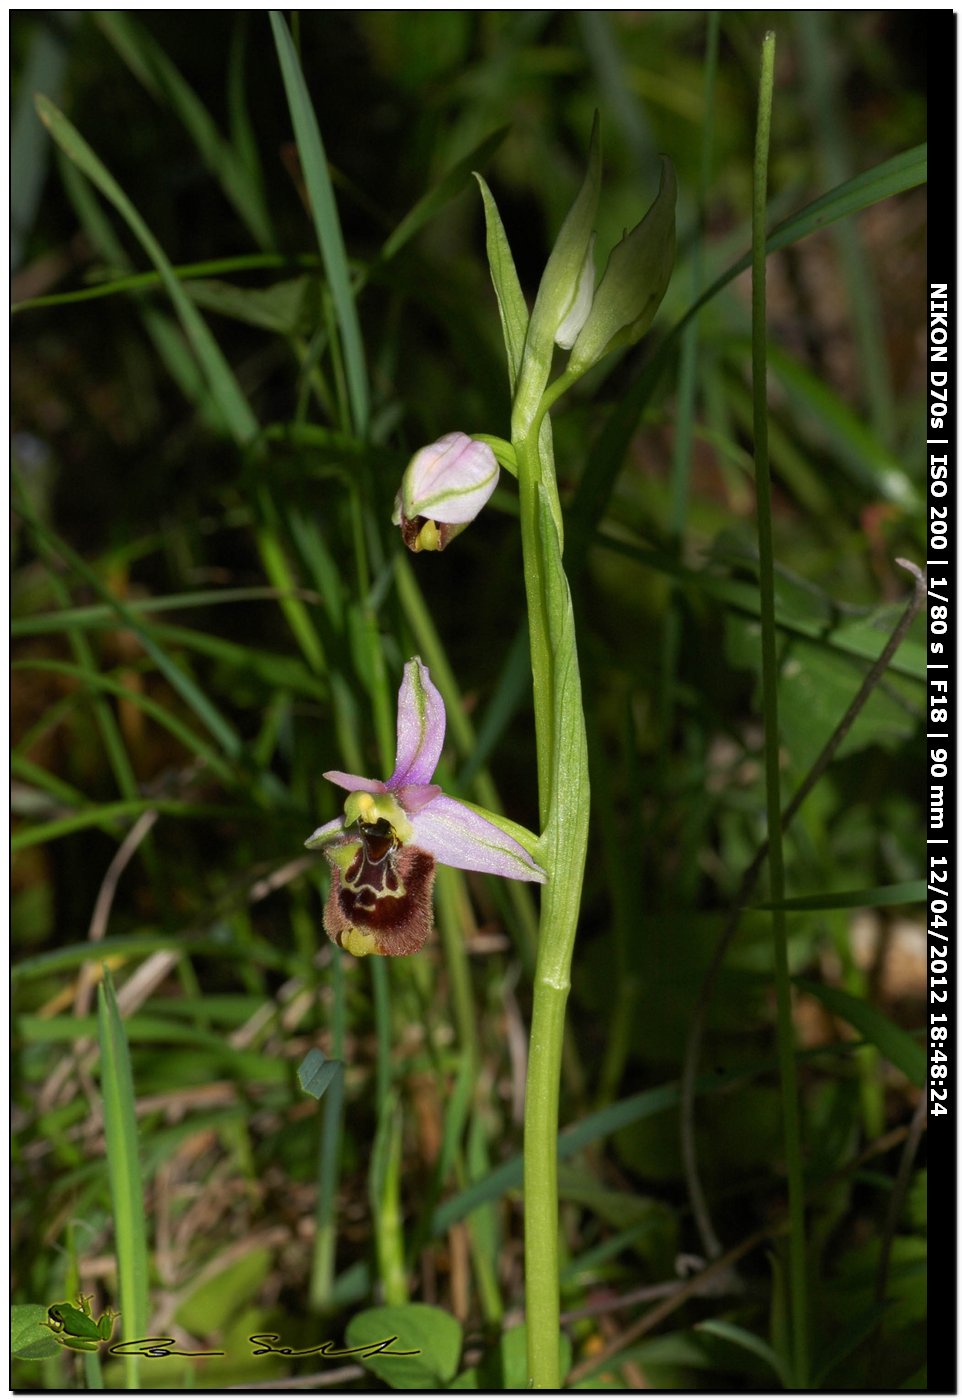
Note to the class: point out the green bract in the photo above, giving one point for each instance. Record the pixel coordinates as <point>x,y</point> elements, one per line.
<point>561,289</point>
<point>580,304</point>
<point>635,280</point>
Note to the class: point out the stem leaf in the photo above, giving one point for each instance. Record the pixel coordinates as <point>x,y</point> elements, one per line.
<point>512,307</point>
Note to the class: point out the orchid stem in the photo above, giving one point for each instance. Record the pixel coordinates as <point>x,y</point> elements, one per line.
<point>563,793</point>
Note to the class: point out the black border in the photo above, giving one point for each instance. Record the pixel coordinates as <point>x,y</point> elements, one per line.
<point>942,1134</point>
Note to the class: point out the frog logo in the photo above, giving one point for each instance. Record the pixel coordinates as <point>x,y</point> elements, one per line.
<point>76,1328</point>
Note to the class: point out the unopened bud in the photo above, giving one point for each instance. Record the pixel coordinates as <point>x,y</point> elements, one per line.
<point>635,281</point>
<point>444,487</point>
<point>582,293</point>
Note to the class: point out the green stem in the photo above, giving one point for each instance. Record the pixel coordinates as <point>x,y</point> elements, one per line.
<point>542,669</point>
<point>786,1045</point>
<point>564,804</point>
<point>325,1238</point>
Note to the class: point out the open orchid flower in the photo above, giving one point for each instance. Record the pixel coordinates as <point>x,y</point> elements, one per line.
<point>383,850</point>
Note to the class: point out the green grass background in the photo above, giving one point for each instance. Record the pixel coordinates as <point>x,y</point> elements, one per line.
<point>214,395</point>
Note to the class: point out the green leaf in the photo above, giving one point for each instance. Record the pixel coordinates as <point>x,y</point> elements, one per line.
<point>123,1167</point>
<point>741,1337</point>
<point>41,68</point>
<point>159,713</point>
<point>856,1329</point>
<point>432,1335</point>
<point>73,955</point>
<point>909,892</point>
<point>287,308</point>
<point>212,1305</point>
<point>622,1208</point>
<point>468,1380</point>
<point>512,307</point>
<point>917,1201</point>
<point>816,687</point>
<point>316,1073</point>
<point>895,1044</point>
<point>105,813</point>
<point>320,193</point>
<point>866,459</point>
<point>104,615</point>
<point>185,272</point>
<point>572,1139</point>
<point>902,172</point>
<point>28,1339</point>
<point>807,613</point>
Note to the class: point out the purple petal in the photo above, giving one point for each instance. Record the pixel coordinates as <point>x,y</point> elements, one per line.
<point>414,796</point>
<point>325,833</point>
<point>420,728</point>
<point>449,481</point>
<point>455,835</point>
<point>353,783</point>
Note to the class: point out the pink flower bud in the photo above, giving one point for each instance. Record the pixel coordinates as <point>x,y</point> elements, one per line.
<point>443,489</point>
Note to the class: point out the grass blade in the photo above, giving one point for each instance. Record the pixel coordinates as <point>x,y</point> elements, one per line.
<point>740,1336</point>
<point>150,707</point>
<point>188,690</point>
<point>123,1166</point>
<point>902,172</point>
<point>29,149</point>
<point>320,194</point>
<point>909,892</point>
<point>105,813</point>
<point>440,194</point>
<point>150,65</point>
<point>894,1043</point>
<point>219,377</point>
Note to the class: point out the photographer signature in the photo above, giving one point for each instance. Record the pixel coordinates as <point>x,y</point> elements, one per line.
<point>262,1344</point>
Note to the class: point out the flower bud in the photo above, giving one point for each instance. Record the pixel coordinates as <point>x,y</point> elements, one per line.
<point>564,294</point>
<point>581,296</point>
<point>443,488</point>
<point>635,280</point>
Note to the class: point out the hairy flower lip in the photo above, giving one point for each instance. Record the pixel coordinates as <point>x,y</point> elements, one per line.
<point>424,816</point>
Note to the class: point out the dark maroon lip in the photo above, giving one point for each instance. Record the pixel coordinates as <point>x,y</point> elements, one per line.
<point>385,892</point>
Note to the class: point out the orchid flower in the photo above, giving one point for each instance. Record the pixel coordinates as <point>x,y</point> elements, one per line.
<point>383,850</point>
<point>444,487</point>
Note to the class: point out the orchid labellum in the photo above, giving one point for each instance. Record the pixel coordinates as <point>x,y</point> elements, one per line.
<point>384,849</point>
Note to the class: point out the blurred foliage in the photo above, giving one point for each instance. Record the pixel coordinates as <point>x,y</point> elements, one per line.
<point>202,628</point>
